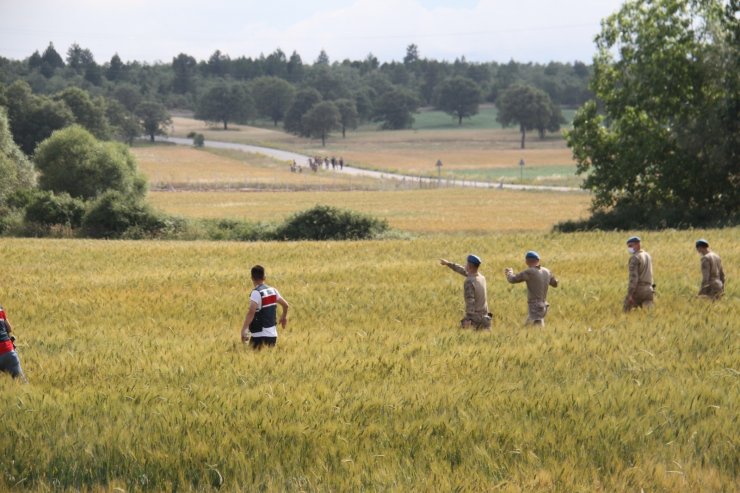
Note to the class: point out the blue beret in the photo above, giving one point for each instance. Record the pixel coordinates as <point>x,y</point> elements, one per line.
<point>474,259</point>
<point>532,254</point>
<point>634,239</point>
<point>702,243</point>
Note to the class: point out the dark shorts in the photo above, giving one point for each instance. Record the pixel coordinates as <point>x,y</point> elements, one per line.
<point>9,363</point>
<point>259,342</point>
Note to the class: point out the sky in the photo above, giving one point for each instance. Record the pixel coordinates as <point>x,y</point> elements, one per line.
<point>158,30</point>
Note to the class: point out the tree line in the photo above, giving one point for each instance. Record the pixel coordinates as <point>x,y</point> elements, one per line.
<point>283,89</point>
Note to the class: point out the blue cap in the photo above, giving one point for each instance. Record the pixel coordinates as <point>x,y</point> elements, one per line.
<point>532,254</point>
<point>634,239</point>
<point>702,243</point>
<point>474,259</point>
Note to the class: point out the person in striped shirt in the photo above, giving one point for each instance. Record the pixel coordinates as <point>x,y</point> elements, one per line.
<point>9,361</point>
<point>260,325</point>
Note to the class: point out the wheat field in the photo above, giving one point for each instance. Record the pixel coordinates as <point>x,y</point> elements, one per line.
<point>446,210</point>
<point>138,381</point>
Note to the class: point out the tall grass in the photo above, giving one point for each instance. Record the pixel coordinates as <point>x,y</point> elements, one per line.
<point>138,381</point>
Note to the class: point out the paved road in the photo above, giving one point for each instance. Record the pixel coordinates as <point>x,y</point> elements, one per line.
<point>302,160</point>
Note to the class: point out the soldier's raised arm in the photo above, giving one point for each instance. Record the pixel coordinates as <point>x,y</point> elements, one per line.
<point>553,280</point>
<point>452,265</point>
<point>513,279</point>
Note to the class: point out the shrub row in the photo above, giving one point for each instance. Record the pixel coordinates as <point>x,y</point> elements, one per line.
<point>111,215</point>
<point>117,215</point>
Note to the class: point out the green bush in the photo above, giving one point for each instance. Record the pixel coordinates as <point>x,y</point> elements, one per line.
<point>199,140</point>
<point>631,216</point>
<point>72,160</point>
<point>46,208</point>
<point>330,223</point>
<point>10,220</point>
<point>20,198</point>
<point>231,230</point>
<point>115,215</point>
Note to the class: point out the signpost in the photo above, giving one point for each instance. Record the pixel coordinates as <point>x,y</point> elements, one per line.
<point>439,169</point>
<point>521,169</point>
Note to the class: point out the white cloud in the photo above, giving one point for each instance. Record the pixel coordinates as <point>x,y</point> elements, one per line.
<point>491,30</point>
<point>483,30</point>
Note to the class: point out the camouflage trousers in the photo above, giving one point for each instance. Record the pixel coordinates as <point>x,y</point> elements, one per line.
<point>714,291</point>
<point>536,312</point>
<point>643,298</point>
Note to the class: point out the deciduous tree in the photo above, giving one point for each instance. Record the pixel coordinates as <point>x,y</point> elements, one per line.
<point>33,118</point>
<point>348,117</point>
<point>128,95</point>
<point>526,106</point>
<point>394,109</point>
<point>73,161</point>
<point>154,118</point>
<point>16,169</point>
<point>89,114</point>
<point>125,125</point>
<point>321,120</point>
<point>660,143</point>
<point>459,97</point>
<point>305,99</point>
<point>272,97</point>
<point>225,102</point>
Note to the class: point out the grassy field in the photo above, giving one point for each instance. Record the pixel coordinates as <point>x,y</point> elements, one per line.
<point>139,383</point>
<point>428,119</point>
<point>419,211</point>
<point>408,151</point>
<point>556,175</point>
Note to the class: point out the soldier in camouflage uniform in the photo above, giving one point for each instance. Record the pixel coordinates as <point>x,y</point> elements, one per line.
<point>477,315</point>
<point>640,288</point>
<point>712,275</point>
<point>538,280</point>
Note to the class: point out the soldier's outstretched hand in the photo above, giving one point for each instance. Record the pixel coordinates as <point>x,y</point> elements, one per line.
<point>443,262</point>
<point>508,271</point>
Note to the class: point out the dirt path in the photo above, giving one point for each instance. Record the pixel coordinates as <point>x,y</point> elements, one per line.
<point>302,160</point>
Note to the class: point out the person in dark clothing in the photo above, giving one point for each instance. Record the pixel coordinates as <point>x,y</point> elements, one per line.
<point>9,362</point>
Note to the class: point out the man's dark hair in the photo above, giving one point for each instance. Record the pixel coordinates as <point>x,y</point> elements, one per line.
<point>258,273</point>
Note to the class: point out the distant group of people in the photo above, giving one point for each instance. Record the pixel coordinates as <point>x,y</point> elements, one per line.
<point>640,286</point>
<point>315,163</point>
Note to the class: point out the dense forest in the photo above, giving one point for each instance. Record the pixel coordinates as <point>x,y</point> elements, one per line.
<point>122,100</point>
<point>178,84</point>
